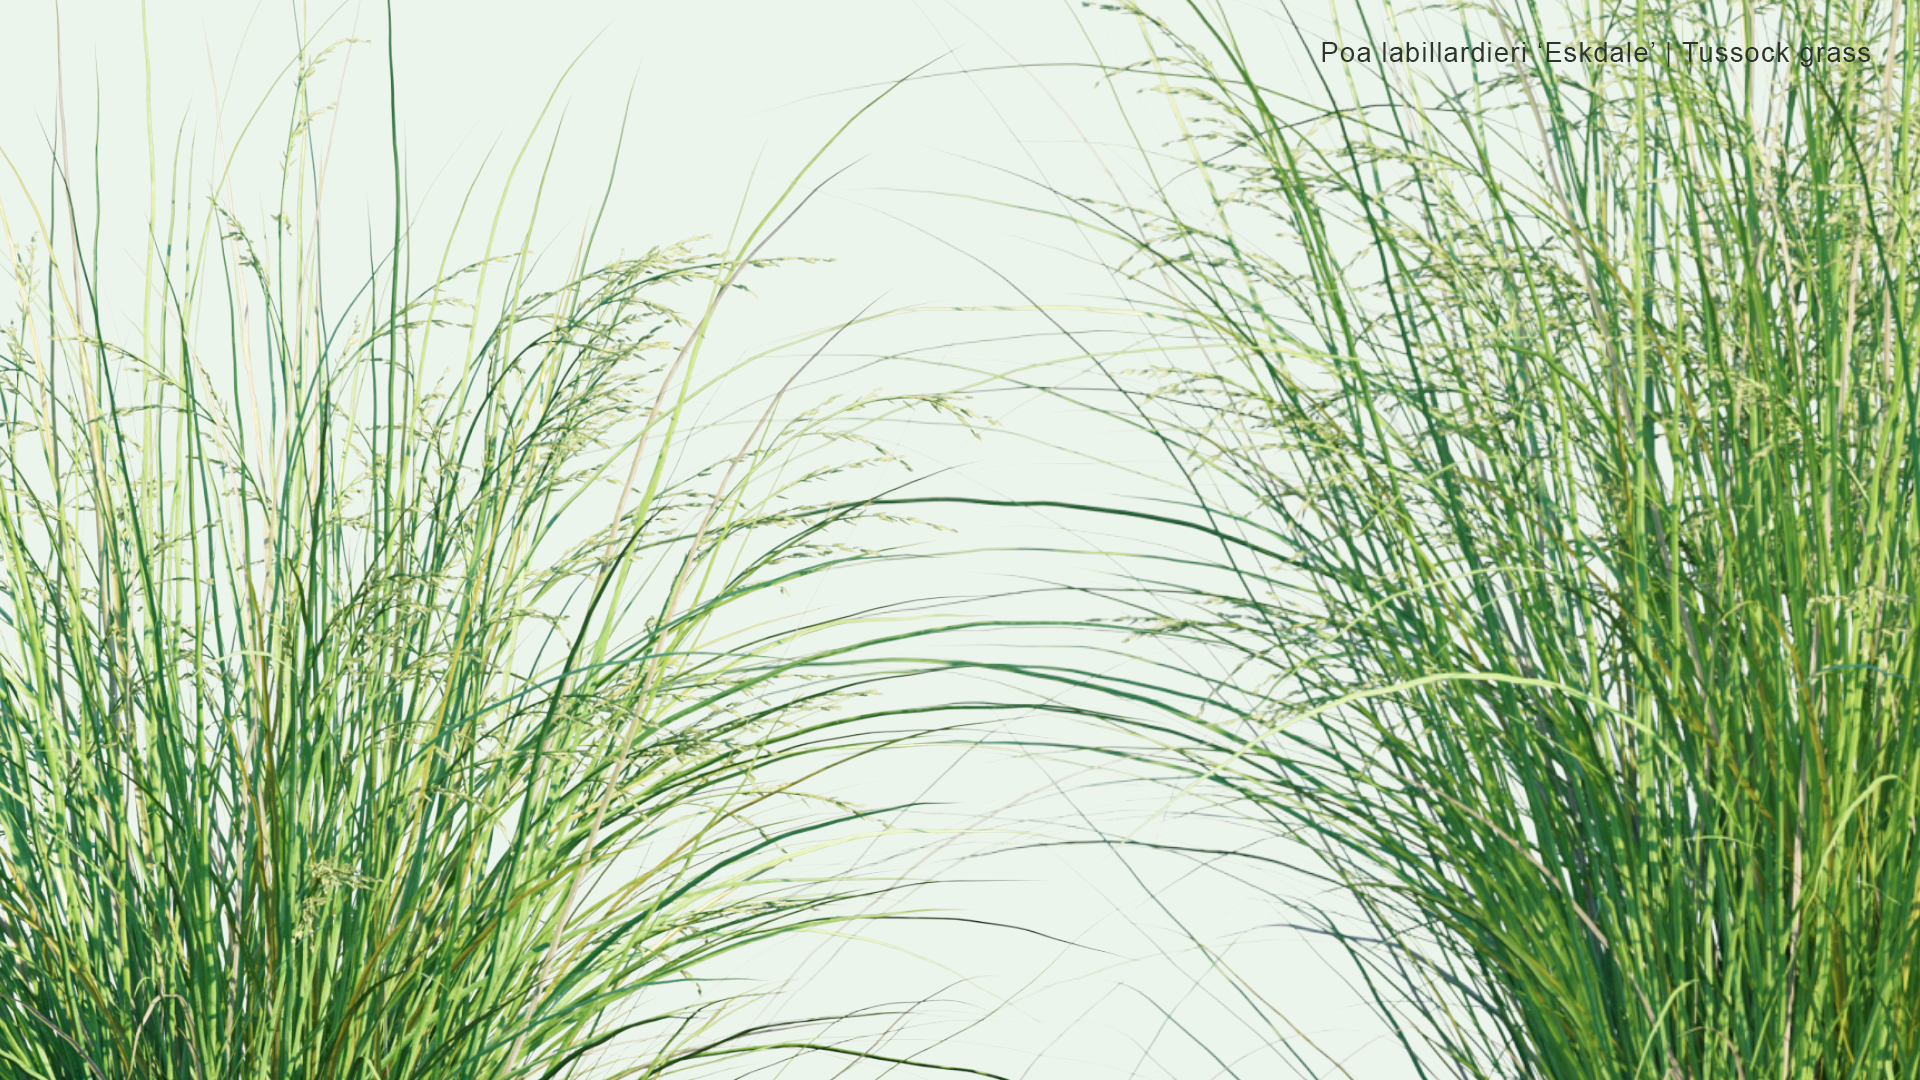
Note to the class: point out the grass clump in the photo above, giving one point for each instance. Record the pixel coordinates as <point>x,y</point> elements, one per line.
<point>386,688</point>
<point>1558,429</point>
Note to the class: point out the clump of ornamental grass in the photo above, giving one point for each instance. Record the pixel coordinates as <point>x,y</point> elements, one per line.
<point>387,687</point>
<point>1559,427</point>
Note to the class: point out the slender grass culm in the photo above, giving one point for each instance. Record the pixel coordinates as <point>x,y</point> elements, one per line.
<point>1567,463</point>
<point>382,687</point>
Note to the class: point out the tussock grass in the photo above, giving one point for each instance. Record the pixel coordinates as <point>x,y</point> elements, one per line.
<point>1558,426</point>
<point>388,688</point>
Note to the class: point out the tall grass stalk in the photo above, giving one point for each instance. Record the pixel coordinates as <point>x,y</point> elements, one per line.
<point>388,688</point>
<point>1557,424</point>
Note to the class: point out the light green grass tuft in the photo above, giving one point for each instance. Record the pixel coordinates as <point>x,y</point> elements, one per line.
<point>388,688</point>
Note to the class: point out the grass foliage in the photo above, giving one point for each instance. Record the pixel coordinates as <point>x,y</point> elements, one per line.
<point>387,686</point>
<point>1558,424</point>
<point>396,686</point>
